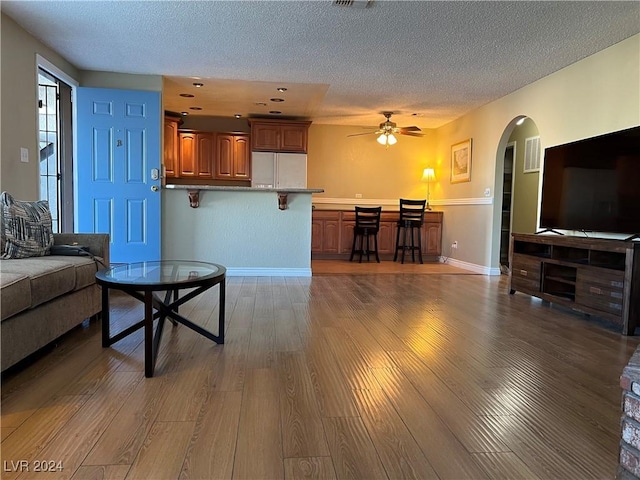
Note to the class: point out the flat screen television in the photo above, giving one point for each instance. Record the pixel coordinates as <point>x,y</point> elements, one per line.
<point>593,184</point>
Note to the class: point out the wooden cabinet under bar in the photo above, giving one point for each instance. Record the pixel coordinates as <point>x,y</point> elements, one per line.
<point>592,275</point>
<point>332,234</point>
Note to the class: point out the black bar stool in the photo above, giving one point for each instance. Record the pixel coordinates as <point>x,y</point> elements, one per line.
<point>410,227</point>
<point>367,226</point>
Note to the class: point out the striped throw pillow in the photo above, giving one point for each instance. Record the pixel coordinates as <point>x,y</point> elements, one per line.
<point>25,228</point>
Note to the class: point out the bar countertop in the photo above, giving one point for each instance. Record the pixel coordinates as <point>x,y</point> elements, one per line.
<point>227,188</point>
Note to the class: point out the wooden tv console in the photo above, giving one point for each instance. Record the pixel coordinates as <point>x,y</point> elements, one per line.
<point>596,276</point>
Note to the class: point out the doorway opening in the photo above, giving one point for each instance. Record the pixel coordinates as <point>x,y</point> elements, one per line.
<point>517,187</point>
<point>507,199</point>
<point>55,139</point>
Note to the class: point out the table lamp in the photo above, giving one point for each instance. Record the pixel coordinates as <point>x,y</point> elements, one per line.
<point>427,176</point>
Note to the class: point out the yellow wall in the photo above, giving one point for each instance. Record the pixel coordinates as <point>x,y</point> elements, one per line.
<point>345,166</point>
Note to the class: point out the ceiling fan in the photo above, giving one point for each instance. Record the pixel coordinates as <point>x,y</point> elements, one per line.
<point>388,129</point>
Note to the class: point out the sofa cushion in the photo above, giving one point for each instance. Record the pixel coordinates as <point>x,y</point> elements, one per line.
<point>85,267</point>
<point>49,278</point>
<point>25,228</point>
<point>15,290</point>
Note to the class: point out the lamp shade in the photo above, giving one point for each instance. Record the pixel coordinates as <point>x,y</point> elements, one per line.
<point>387,139</point>
<point>428,175</point>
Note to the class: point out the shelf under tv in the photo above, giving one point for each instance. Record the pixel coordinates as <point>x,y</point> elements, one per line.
<point>590,275</point>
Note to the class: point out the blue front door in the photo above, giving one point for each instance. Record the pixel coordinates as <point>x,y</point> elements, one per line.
<point>118,170</point>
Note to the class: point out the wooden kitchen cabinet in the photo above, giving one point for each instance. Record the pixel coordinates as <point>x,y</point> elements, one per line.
<point>332,234</point>
<point>432,234</point>
<point>196,154</point>
<point>271,135</point>
<point>387,233</point>
<point>171,151</point>
<point>204,156</point>
<point>325,232</point>
<point>347,225</point>
<point>232,158</point>
<point>187,163</point>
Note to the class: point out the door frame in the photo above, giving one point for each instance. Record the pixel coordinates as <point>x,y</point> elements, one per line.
<point>68,151</point>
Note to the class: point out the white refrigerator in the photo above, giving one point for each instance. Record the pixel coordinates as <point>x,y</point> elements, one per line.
<point>278,170</point>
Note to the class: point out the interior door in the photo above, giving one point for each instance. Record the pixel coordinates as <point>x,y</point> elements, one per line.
<point>118,170</point>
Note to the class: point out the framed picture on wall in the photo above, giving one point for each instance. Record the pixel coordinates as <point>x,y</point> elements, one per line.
<point>461,162</point>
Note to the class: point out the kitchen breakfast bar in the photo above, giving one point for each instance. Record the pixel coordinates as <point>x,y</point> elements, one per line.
<point>251,231</point>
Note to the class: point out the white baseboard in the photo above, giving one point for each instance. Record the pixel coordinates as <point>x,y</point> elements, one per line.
<point>306,272</point>
<point>268,272</point>
<point>473,267</point>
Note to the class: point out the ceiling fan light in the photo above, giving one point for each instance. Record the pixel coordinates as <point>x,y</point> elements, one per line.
<point>382,139</point>
<point>391,140</point>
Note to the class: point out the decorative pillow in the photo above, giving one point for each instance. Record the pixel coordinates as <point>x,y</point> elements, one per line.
<point>25,228</point>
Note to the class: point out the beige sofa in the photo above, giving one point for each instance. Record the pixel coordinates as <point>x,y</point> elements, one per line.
<point>44,297</point>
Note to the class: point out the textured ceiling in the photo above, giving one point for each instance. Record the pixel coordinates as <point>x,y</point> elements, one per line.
<point>341,65</point>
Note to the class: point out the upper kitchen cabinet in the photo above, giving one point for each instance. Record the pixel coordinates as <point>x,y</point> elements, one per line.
<point>171,146</point>
<point>271,135</point>
<point>196,154</point>
<point>232,158</point>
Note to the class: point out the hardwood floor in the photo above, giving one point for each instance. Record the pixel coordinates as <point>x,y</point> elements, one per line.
<point>368,376</point>
<point>338,267</point>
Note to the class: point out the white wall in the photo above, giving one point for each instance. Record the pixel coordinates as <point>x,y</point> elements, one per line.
<point>244,231</point>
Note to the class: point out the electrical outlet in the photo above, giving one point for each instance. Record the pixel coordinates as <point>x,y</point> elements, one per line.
<point>454,245</point>
<point>358,195</point>
<point>24,155</point>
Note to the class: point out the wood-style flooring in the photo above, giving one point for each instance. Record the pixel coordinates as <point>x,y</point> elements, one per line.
<point>343,267</point>
<point>373,376</point>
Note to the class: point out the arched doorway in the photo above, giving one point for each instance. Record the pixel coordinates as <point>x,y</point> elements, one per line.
<point>517,185</point>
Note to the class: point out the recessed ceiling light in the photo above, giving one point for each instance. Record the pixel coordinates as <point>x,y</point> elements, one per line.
<point>187,95</point>
<point>260,104</point>
<point>195,108</point>
<point>281,89</point>
<point>277,100</point>
<point>521,121</point>
<point>275,112</point>
<point>198,84</point>
<point>185,114</point>
<point>237,115</point>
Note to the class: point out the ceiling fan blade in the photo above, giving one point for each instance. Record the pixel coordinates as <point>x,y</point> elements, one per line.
<point>358,134</point>
<point>409,129</point>
<point>412,134</point>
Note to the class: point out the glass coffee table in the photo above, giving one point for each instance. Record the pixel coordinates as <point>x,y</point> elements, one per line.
<point>146,281</point>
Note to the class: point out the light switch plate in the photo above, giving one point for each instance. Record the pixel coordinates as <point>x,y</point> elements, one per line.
<point>24,155</point>
<point>487,192</point>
